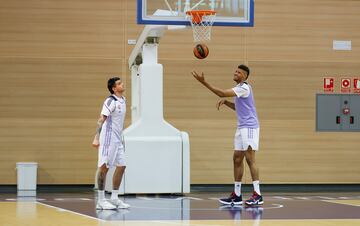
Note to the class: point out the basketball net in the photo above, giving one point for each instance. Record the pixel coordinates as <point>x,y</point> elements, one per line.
<point>201,23</point>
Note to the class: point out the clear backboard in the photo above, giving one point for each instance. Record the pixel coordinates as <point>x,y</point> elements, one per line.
<point>173,12</point>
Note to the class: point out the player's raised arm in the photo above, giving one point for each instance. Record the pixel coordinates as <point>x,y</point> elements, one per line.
<point>219,92</point>
<point>100,123</point>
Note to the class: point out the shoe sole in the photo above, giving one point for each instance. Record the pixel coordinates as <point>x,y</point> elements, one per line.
<point>105,209</point>
<point>254,204</point>
<point>230,203</point>
<point>100,208</point>
<point>120,207</point>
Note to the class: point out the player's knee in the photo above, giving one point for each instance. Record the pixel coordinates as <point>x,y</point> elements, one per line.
<point>103,168</point>
<point>237,159</point>
<point>250,162</point>
<point>121,167</point>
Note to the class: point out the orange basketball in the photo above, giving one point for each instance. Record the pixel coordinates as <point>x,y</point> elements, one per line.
<point>201,51</point>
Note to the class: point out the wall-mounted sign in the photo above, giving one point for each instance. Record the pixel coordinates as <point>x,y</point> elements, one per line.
<point>345,85</point>
<point>329,85</point>
<point>356,88</point>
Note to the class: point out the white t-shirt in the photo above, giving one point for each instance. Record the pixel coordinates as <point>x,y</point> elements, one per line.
<point>114,108</point>
<point>242,90</point>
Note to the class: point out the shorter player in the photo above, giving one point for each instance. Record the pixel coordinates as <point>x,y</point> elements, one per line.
<point>108,140</point>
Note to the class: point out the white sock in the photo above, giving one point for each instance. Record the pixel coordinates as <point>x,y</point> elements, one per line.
<point>101,194</point>
<point>237,188</point>
<point>114,194</point>
<point>256,184</point>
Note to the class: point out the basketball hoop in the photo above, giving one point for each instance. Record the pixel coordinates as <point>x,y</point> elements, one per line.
<point>201,23</point>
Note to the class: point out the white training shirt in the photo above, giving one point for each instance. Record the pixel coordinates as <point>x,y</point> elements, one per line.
<point>112,128</point>
<point>242,90</point>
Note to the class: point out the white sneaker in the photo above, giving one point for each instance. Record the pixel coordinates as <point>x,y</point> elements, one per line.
<point>119,204</point>
<point>105,205</point>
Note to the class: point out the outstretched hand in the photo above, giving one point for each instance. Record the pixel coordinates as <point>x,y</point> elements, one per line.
<point>219,103</point>
<point>200,78</point>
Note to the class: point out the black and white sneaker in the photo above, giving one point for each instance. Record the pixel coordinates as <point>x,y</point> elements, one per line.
<point>255,200</point>
<point>233,199</point>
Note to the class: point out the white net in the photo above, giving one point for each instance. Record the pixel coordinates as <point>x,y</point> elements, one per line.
<point>201,24</point>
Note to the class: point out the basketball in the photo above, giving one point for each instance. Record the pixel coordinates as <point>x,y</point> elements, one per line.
<point>201,51</point>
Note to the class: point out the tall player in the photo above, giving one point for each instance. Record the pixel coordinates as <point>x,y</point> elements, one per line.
<point>246,141</point>
<point>108,140</point>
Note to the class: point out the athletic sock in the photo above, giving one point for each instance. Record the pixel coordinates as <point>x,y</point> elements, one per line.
<point>237,188</point>
<point>256,184</point>
<point>101,194</point>
<point>114,194</point>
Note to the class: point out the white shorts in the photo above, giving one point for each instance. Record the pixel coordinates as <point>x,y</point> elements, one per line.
<point>111,155</point>
<point>246,137</point>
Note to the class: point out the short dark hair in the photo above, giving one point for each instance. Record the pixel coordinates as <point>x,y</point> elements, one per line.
<point>111,84</point>
<point>245,68</point>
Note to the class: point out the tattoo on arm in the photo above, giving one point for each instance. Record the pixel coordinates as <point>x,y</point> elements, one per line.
<point>100,122</point>
<point>98,127</point>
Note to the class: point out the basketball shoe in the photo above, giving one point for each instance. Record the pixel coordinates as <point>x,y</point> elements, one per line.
<point>255,200</point>
<point>105,205</point>
<point>233,199</point>
<point>119,204</point>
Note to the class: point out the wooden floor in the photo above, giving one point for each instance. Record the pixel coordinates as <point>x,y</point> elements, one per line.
<point>74,209</point>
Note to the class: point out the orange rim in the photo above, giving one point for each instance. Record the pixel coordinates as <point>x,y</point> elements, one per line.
<point>197,15</point>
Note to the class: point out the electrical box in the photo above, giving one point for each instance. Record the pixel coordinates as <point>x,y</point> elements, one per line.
<point>338,112</point>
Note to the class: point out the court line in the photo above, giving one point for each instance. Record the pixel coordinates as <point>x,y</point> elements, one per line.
<point>302,198</point>
<point>187,223</point>
<point>325,197</point>
<point>347,219</point>
<point>65,210</point>
<point>189,198</point>
<point>274,206</point>
<point>283,198</point>
<point>196,222</point>
<point>341,203</point>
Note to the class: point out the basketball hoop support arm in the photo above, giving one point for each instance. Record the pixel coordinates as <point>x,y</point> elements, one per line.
<point>144,52</point>
<point>150,35</point>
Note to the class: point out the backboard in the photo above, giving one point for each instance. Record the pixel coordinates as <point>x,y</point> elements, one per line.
<point>228,12</point>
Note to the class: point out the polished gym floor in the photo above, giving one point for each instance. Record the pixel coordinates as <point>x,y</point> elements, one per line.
<point>196,208</point>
